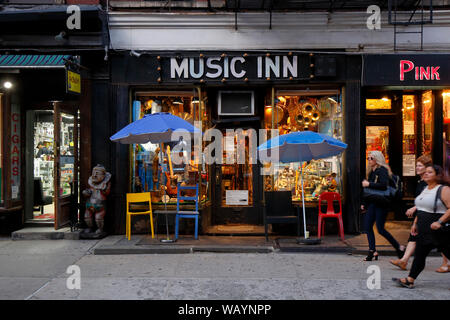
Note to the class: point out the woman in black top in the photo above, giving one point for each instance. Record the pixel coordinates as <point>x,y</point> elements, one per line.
<point>433,213</point>
<point>377,207</point>
<point>421,163</point>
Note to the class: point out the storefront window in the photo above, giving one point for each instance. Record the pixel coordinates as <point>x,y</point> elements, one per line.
<point>427,122</point>
<point>378,104</point>
<point>149,172</point>
<point>446,111</point>
<point>409,135</point>
<point>298,111</point>
<point>377,139</point>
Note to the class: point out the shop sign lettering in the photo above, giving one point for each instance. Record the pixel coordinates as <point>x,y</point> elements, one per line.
<point>238,67</point>
<point>406,70</point>
<point>73,82</point>
<point>15,151</point>
<point>420,72</point>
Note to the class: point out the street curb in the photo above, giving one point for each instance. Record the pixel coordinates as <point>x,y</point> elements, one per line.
<point>313,249</point>
<point>114,250</point>
<point>121,251</point>
<point>389,253</point>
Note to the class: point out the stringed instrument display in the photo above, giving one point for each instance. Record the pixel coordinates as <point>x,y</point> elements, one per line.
<point>171,184</point>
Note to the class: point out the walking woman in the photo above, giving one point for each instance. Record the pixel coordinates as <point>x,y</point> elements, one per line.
<point>432,214</point>
<point>378,174</point>
<point>421,163</point>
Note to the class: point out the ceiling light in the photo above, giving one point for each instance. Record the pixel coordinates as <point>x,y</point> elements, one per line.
<point>7,85</point>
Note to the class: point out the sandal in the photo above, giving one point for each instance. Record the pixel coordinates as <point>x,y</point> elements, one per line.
<point>404,282</point>
<point>399,263</point>
<point>443,269</point>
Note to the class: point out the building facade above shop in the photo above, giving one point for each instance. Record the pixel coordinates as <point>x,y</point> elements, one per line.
<point>313,30</point>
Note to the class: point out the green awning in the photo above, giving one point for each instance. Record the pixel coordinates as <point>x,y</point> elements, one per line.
<point>33,61</point>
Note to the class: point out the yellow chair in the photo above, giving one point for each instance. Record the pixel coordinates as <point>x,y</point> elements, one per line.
<point>138,199</point>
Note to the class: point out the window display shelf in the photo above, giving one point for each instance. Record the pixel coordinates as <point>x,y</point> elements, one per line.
<point>321,114</point>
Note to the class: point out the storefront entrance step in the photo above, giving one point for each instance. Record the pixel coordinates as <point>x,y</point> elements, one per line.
<point>39,224</point>
<point>145,244</point>
<point>118,250</point>
<point>45,233</point>
<point>328,244</point>
<point>174,249</point>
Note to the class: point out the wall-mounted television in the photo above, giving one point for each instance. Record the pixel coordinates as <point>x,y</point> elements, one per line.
<point>236,103</point>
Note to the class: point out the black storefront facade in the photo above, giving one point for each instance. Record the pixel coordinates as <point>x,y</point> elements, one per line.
<point>285,90</point>
<point>405,106</point>
<point>55,75</point>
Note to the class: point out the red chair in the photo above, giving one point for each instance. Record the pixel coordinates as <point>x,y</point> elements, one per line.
<point>330,197</point>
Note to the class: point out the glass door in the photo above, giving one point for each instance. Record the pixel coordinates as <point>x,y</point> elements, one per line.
<point>237,172</point>
<point>65,164</point>
<point>236,200</point>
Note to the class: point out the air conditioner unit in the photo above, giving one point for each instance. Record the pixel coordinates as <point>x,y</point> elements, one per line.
<point>236,103</point>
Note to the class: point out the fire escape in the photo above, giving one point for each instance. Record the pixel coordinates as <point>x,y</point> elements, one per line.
<point>408,18</point>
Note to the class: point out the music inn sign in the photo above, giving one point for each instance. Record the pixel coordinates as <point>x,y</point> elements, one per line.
<point>212,67</point>
<point>243,67</point>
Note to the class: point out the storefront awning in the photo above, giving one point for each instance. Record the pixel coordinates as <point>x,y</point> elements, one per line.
<point>33,61</point>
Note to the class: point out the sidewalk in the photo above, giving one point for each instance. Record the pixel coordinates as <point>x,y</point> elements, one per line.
<point>331,243</point>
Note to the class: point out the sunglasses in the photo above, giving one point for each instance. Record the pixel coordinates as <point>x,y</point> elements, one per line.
<point>370,158</point>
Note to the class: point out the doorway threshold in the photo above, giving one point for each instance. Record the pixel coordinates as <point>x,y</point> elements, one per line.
<point>235,230</point>
<point>33,223</point>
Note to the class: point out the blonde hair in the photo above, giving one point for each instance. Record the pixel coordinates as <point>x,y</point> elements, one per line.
<point>380,160</point>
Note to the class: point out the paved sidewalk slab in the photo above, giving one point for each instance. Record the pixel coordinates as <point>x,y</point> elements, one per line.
<point>140,244</point>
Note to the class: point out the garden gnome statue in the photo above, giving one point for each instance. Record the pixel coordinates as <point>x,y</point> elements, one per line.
<point>99,189</point>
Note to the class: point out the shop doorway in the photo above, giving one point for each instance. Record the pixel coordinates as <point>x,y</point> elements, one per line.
<point>401,125</point>
<point>52,193</point>
<point>236,188</point>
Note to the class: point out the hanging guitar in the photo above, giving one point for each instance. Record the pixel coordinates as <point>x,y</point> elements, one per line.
<point>171,184</point>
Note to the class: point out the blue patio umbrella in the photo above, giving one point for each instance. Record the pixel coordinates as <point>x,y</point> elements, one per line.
<point>154,128</point>
<point>302,146</point>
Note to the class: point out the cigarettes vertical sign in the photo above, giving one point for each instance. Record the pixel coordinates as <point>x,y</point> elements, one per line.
<point>15,151</point>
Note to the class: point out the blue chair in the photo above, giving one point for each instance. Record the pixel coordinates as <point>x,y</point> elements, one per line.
<point>187,214</point>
